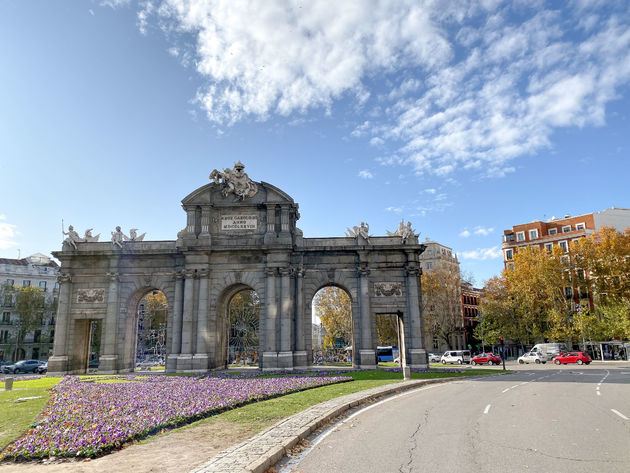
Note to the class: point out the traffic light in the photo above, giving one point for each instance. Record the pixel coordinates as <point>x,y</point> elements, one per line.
<point>501,340</point>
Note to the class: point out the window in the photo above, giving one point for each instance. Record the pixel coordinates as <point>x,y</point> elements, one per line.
<point>568,292</point>
<point>10,281</point>
<point>510,266</point>
<point>6,317</point>
<point>26,283</point>
<point>552,231</point>
<point>580,226</point>
<point>4,336</point>
<point>508,237</point>
<point>429,265</point>
<point>435,343</point>
<point>520,236</point>
<point>564,245</point>
<point>56,287</point>
<point>42,285</point>
<point>549,247</point>
<point>533,234</point>
<point>566,229</point>
<point>509,254</point>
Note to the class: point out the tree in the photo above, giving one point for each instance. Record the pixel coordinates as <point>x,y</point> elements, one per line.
<point>441,302</point>
<point>332,305</point>
<point>387,330</point>
<point>152,337</point>
<point>30,307</point>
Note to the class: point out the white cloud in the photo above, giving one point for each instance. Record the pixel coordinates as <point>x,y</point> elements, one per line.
<point>394,209</point>
<point>365,174</point>
<point>482,253</point>
<point>7,234</point>
<point>376,141</point>
<point>521,71</point>
<point>464,234</point>
<point>430,191</point>
<point>483,231</point>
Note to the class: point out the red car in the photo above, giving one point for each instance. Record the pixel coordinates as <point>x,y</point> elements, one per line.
<point>578,357</point>
<point>482,358</point>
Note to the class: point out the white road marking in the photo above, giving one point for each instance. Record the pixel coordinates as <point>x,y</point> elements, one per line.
<point>600,383</point>
<point>485,411</point>
<point>619,414</point>
<point>505,390</point>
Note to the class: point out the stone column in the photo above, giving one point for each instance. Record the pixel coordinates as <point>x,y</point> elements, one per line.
<point>184,360</point>
<point>108,359</point>
<point>205,222</point>
<point>270,234</point>
<point>200,359</point>
<point>300,359</point>
<point>285,356</point>
<point>176,329</point>
<point>58,362</point>
<point>190,222</point>
<point>415,349</point>
<point>270,355</point>
<point>367,354</point>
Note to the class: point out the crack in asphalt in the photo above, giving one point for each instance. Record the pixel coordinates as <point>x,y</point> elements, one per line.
<point>557,457</point>
<point>406,468</point>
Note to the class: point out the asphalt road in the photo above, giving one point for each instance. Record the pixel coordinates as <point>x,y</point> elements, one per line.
<point>540,418</point>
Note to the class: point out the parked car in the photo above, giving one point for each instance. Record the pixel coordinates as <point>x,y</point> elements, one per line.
<point>43,367</point>
<point>434,358</point>
<point>6,367</point>
<point>532,357</point>
<point>578,357</point>
<point>25,366</point>
<point>456,356</point>
<point>482,358</point>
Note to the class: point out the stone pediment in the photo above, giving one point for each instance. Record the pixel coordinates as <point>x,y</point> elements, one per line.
<point>212,194</point>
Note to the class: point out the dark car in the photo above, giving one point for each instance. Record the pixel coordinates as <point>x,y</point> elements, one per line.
<point>578,357</point>
<point>482,358</point>
<point>25,366</point>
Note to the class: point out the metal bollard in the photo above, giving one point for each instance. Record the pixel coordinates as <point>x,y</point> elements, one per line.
<point>8,383</point>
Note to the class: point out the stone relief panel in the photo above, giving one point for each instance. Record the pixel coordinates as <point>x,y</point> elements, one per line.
<point>387,289</point>
<point>90,296</point>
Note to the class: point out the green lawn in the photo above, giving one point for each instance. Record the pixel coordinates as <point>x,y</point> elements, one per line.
<point>15,418</point>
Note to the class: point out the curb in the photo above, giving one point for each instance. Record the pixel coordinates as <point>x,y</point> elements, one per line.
<point>265,449</point>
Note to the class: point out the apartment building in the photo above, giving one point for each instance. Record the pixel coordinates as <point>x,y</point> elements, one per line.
<point>40,271</point>
<point>470,312</point>
<point>561,231</point>
<point>437,256</point>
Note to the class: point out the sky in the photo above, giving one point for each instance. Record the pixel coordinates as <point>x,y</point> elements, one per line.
<point>463,117</point>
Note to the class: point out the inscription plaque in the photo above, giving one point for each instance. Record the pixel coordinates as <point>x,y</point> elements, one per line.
<point>239,222</point>
<point>387,289</point>
<point>90,296</point>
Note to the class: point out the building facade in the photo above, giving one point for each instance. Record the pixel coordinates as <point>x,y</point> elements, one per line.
<point>437,256</point>
<point>40,271</point>
<point>470,314</point>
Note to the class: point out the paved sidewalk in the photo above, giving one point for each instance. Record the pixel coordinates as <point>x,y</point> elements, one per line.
<point>265,449</point>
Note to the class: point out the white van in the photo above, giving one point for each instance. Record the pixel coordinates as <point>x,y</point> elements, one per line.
<point>456,356</point>
<point>549,350</point>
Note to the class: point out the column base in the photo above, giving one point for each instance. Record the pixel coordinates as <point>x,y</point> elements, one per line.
<point>108,364</point>
<point>417,358</point>
<point>171,363</point>
<point>270,360</point>
<point>184,363</point>
<point>57,365</point>
<point>200,362</point>
<point>300,360</point>
<point>367,359</point>
<point>285,360</point>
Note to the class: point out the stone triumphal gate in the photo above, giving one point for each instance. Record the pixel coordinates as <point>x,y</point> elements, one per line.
<point>239,234</point>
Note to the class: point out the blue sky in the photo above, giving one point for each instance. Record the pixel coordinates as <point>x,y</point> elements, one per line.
<point>463,117</point>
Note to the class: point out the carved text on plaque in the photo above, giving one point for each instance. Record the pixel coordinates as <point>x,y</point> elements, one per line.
<point>90,296</point>
<point>387,289</point>
<point>239,222</point>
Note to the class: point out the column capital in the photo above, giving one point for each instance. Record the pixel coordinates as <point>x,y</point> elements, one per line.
<point>177,275</point>
<point>113,277</point>
<point>64,278</point>
<point>364,272</point>
<point>413,271</point>
<point>188,273</point>
<point>288,271</point>
<point>271,271</point>
<point>203,273</point>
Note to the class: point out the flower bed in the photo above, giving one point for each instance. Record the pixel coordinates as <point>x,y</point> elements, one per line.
<point>88,419</point>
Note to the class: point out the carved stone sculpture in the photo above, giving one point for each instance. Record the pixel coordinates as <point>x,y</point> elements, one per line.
<point>404,231</point>
<point>362,231</point>
<point>73,237</point>
<point>235,181</point>
<point>89,238</point>
<point>133,235</point>
<point>118,237</point>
